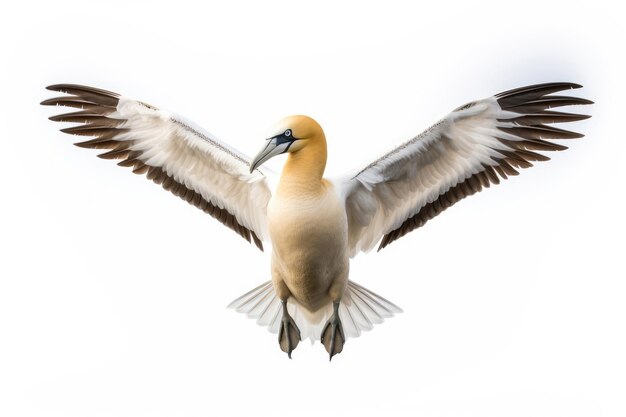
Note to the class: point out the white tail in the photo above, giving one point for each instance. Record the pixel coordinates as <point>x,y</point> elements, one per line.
<point>359,310</point>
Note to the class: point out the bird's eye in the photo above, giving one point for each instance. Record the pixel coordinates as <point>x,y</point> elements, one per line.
<point>287,132</point>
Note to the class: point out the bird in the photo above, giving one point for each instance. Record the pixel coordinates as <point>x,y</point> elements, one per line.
<point>315,225</point>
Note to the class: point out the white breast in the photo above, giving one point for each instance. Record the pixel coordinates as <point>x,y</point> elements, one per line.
<point>309,240</point>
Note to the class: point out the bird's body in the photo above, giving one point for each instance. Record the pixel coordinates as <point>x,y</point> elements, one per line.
<point>315,225</point>
<point>308,227</point>
<point>309,246</point>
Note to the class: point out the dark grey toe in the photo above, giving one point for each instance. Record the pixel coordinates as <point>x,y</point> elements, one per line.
<point>333,337</point>
<point>288,334</point>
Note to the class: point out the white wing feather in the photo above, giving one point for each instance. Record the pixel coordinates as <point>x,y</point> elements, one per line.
<point>469,149</point>
<point>174,152</point>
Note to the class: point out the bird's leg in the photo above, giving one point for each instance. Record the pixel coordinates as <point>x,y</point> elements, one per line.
<point>288,334</point>
<point>333,337</point>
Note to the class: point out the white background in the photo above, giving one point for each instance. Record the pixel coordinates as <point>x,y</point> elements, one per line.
<point>113,292</point>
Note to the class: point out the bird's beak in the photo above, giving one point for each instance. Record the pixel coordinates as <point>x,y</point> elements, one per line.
<point>274,146</point>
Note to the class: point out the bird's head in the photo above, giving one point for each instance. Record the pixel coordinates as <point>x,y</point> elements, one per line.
<point>289,135</point>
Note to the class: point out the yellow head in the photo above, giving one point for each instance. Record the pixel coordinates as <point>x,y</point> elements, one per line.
<point>290,135</point>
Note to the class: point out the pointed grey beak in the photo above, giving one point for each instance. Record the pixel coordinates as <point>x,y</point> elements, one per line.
<point>274,146</point>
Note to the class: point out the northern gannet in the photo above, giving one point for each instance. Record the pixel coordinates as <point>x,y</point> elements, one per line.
<point>315,225</point>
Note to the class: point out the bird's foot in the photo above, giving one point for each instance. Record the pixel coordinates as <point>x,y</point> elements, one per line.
<point>288,334</point>
<point>333,337</point>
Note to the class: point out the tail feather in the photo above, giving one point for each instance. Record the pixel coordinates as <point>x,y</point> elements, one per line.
<point>363,309</point>
<point>262,304</point>
<point>359,310</point>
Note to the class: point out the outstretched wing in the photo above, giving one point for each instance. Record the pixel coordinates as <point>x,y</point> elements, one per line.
<point>473,147</point>
<point>182,158</point>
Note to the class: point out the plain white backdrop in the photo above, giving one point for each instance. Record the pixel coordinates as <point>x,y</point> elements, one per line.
<point>113,292</point>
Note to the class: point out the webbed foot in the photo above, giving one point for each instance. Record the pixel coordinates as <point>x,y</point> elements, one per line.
<point>333,337</point>
<point>288,334</point>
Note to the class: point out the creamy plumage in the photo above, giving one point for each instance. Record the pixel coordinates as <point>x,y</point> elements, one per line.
<point>315,225</point>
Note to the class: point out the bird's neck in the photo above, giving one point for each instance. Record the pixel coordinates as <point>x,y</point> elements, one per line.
<point>304,169</point>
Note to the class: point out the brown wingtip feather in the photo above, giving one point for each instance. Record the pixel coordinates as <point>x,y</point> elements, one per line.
<point>539,89</point>
<point>77,89</point>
